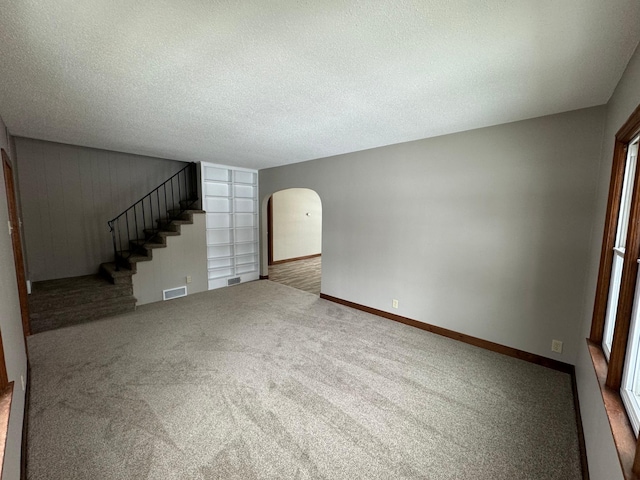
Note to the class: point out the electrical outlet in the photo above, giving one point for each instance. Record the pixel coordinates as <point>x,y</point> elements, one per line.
<point>188,278</point>
<point>394,303</point>
<point>22,382</point>
<point>556,346</point>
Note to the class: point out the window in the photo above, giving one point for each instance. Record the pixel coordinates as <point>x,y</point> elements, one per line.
<point>615,329</point>
<point>619,247</point>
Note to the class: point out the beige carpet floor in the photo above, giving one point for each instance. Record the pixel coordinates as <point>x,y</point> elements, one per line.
<point>263,381</point>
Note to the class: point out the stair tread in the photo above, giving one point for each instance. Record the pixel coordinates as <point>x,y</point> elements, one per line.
<point>43,301</point>
<point>162,233</point>
<point>126,255</point>
<point>110,268</point>
<point>177,222</point>
<point>145,244</point>
<point>188,211</point>
<point>97,304</point>
<point>41,322</point>
<point>85,281</point>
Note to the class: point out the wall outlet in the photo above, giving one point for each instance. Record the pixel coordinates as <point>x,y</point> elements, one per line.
<point>394,303</point>
<point>188,278</point>
<point>22,382</point>
<point>556,346</point>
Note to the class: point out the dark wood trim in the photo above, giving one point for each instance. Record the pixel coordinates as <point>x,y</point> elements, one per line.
<point>18,256</point>
<point>627,292</point>
<point>630,128</point>
<point>584,463</point>
<point>25,424</point>
<point>287,260</point>
<point>461,337</point>
<point>608,241</point>
<point>623,436</point>
<point>630,267</point>
<point>4,378</point>
<point>264,277</point>
<point>627,132</point>
<point>6,398</point>
<point>270,230</point>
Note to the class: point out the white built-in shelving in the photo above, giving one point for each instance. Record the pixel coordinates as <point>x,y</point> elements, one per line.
<point>230,198</point>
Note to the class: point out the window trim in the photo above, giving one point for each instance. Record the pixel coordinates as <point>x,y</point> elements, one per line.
<point>610,375</point>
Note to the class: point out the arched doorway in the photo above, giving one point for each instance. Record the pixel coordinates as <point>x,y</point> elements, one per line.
<point>294,238</point>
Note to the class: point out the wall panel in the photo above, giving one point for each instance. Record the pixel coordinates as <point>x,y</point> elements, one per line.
<point>69,193</point>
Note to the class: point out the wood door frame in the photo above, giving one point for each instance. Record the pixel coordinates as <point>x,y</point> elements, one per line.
<point>16,242</point>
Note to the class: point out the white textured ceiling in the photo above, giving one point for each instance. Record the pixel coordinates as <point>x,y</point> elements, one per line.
<point>261,83</point>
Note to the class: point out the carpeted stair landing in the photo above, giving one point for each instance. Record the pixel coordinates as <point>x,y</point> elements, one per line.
<point>69,301</point>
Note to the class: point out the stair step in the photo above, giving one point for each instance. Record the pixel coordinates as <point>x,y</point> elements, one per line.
<point>64,317</point>
<point>67,283</point>
<point>183,212</point>
<point>117,277</point>
<point>148,244</point>
<point>89,289</point>
<point>174,222</point>
<point>128,256</point>
<point>161,233</point>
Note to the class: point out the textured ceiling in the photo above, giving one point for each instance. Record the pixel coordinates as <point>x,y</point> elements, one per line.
<point>262,83</point>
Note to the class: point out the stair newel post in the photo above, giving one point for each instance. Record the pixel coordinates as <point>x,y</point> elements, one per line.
<point>173,197</point>
<point>186,191</point>
<point>151,210</point>
<point>144,219</point>
<point>135,218</point>
<point>115,248</point>
<point>156,226</point>
<point>166,207</point>
<point>126,219</point>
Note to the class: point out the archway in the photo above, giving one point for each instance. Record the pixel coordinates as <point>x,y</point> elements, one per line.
<point>294,238</point>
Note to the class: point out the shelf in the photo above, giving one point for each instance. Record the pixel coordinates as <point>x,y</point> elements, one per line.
<point>230,200</point>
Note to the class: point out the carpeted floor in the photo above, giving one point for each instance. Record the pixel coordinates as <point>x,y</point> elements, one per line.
<point>265,381</point>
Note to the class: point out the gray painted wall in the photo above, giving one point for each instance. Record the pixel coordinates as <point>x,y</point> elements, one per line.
<point>11,328</point>
<point>485,232</point>
<point>69,193</point>
<point>184,255</point>
<point>296,234</point>
<point>603,459</point>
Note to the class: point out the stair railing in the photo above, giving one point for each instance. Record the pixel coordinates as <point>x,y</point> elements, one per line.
<point>139,223</point>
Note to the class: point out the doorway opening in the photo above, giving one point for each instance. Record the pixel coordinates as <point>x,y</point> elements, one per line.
<point>294,239</point>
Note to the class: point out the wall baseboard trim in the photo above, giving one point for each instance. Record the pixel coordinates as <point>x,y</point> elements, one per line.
<point>461,337</point>
<point>584,463</point>
<point>25,424</point>
<point>494,347</point>
<point>264,277</point>
<point>287,260</point>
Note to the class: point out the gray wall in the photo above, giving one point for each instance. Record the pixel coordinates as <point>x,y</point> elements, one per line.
<point>603,459</point>
<point>11,328</point>
<point>296,234</point>
<point>69,193</point>
<point>485,232</point>
<point>185,255</point>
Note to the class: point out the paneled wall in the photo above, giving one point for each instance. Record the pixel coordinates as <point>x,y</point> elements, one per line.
<point>68,195</point>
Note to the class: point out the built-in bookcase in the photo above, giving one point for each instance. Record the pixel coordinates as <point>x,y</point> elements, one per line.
<point>230,198</point>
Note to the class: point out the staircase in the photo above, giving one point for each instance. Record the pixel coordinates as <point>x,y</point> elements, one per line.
<point>136,233</point>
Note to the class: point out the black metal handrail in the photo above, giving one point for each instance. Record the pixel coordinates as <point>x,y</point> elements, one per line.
<point>138,224</point>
